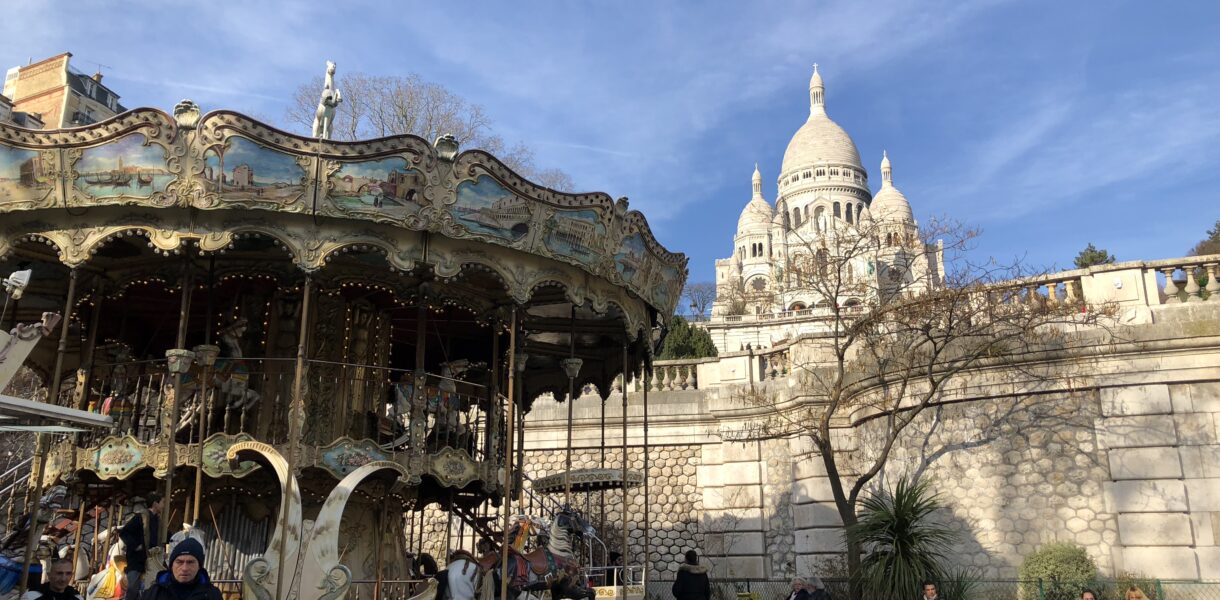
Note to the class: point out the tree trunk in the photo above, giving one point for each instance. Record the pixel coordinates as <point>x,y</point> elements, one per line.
<point>846,508</point>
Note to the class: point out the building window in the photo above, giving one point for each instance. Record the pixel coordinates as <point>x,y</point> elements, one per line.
<point>807,174</point>
<point>838,210</point>
<point>847,213</point>
<point>821,172</point>
<point>834,172</point>
<point>796,217</point>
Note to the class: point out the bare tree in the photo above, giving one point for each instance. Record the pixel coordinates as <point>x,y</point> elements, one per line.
<point>699,297</point>
<point>379,106</point>
<point>901,329</point>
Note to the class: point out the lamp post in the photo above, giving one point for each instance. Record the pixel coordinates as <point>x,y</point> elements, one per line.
<point>698,315</point>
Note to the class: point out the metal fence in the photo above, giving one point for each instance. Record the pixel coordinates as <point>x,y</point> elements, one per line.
<point>981,589</point>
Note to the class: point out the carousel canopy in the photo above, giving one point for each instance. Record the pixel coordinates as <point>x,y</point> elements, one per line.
<point>419,223</point>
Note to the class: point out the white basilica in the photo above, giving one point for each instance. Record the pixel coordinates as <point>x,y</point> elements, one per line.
<point>822,199</point>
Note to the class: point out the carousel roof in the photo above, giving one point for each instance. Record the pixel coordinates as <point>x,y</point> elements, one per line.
<point>419,221</point>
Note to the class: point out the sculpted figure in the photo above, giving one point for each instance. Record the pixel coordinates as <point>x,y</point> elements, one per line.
<point>324,117</point>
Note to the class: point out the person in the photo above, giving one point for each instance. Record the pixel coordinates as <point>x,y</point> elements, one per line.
<point>58,586</point>
<point>1134,593</point>
<point>929,590</point>
<point>817,589</point>
<point>616,568</point>
<point>800,590</point>
<point>138,535</point>
<point>185,579</point>
<point>691,582</point>
<point>1087,594</point>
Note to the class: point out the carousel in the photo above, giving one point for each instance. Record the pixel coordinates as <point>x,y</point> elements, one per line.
<point>303,344</point>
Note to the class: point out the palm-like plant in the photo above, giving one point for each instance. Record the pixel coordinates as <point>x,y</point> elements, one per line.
<point>902,543</point>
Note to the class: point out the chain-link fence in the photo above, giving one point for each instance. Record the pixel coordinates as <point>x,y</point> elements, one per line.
<point>980,589</point>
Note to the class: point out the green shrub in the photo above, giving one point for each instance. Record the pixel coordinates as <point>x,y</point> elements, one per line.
<point>1064,570</point>
<point>903,543</point>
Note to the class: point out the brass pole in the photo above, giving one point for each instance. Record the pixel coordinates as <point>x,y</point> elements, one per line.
<point>41,441</point>
<point>91,344</point>
<point>205,402</point>
<point>295,416</point>
<point>647,516</point>
<point>80,528</point>
<point>626,370</point>
<point>170,427</point>
<point>508,449</point>
<point>567,462</point>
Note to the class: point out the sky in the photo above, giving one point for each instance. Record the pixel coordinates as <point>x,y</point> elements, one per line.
<point>1047,124</point>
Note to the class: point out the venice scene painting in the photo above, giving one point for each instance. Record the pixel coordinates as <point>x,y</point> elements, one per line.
<point>22,178</point>
<point>485,206</point>
<point>631,257</point>
<point>385,186</point>
<point>244,170</point>
<point>576,234</point>
<point>129,166</point>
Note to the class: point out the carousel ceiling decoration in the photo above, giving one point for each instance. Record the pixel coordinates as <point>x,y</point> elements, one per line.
<point>318,196</point>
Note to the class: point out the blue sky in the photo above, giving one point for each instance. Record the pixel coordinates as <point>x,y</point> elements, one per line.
<point>1047,124</point>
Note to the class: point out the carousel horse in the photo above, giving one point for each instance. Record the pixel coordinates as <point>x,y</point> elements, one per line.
<point>230,380</point>
<point>553,567</point>
<point>324,116</point>
<point>108,583</point>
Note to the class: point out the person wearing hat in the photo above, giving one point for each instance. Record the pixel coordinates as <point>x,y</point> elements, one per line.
<point>139,535</point>
<point>186,579</point>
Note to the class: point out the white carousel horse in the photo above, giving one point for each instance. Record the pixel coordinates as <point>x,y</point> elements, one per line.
<point>324,116</point>
<point>554,568</point>
<point>108,583</point>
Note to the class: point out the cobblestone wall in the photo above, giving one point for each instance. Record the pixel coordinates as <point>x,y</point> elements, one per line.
<point>1014,475</point>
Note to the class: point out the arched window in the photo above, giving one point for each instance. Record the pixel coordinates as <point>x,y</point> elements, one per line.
<point>821,172</point>
<point>838,210</point>
<point>796,217</point>
<point>847,212</point>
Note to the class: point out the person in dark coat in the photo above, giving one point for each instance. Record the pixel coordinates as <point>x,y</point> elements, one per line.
<point>186,579</point>
<point>800,590</point>
<point>58,586</point>
<point>138,537</point>
<point>692,582</point>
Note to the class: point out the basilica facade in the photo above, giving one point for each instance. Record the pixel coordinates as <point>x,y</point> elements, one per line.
<point>824,214</point>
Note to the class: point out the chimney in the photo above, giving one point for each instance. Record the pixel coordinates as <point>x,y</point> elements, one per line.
<point>97,77</point>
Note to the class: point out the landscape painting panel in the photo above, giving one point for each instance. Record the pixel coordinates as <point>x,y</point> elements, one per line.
<point>385,186</point>
<point>129,166</point>
<point>485,206</point>
<point>576,234</point>
<point>248,171</point>
<point>23,180</point>
<point>631,258</point>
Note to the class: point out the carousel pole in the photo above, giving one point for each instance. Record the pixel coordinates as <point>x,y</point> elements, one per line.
<point>626,370</point>
<point>647,516</point>
<point>80,527</point>
<point>296,415</point>
<point>571,367</point>
<point>508,449</point>
<point>206,353</point>
<point>41,441</point>
<point>178,362</point>
<point>99,292</point>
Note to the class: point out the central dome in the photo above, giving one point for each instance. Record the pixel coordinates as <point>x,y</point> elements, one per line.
<point>820,140</point>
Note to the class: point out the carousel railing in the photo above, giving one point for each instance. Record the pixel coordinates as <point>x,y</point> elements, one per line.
<point>254,396</point>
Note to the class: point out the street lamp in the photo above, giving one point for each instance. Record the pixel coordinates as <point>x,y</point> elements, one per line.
<point>694,307</point>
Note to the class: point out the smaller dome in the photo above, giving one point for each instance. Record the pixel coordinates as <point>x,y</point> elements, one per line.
<point>889,204</point>
<point>756,215</point>
<point>758,212</point>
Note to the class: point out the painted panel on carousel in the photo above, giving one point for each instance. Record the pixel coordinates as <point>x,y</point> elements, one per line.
<point>25,179</point>
<point>575,234</point>
<point>666,289</point>
<point>486,207</point>
<point>347,455</point>
<point>380,187</point>
<point>247,173</point>
<point>631,259</point>
<point>130,167</point>
<point>215,461</point>
<point>118,458</point>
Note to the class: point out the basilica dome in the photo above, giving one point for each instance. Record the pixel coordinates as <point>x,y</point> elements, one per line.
<point>890,204</point>
<point>758,212</point>
<point>820,140</point>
